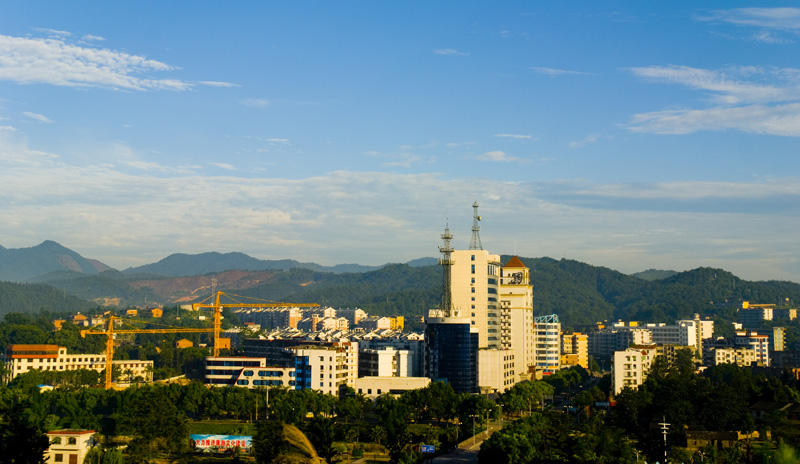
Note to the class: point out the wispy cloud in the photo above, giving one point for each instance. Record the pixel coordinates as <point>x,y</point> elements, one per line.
<point>55,61</point>
<point>38,117</point>
<point>227,166</point>
<point>459,144</point>
<point>590,139</point>
<point>93,38</point>
<point>219,84</point>
<point>553,72</point>
<point>449,51</point>
<point>774,25</point>
<point>498,156</point>
<point>8,128</point>
<point>760,100</point>
<point>515,136</point>
<point>255,102</point>
<point>769,18</point>
<point>750,84</point>
<point>781,120</point>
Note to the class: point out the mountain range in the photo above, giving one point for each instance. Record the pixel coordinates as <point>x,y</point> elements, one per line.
<point>578,292</point>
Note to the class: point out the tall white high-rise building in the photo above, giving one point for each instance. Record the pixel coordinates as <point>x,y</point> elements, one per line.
<point>474,288</point>
<point>516,314</point>
<point>548,343</point>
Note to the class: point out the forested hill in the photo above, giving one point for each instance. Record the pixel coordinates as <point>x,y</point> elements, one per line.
<point>32,298</point>
<point>579,293</point>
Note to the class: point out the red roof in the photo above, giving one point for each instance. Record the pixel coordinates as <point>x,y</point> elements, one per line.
<point>514,262</point>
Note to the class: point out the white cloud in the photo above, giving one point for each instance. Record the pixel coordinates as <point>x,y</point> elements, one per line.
<point>94,38</point>
<point>498,156</point>
<point>282,141</point>
<point>514,136</point>
<point>53,32</point>
<point>333,217</point>
<point>731,85</point>
<point>582,143</point>
<point>219,84</point>
<point>459,144</point>
<point>37,116</point>
<point>449,51</point>
<point>227,166</point>
<point>255,102</point>
<point>8,128</point>
<point>759,100</point>
<point>55,61</point>
<point>781,120</point>
<point>769,18</point>
<point>553,72</point>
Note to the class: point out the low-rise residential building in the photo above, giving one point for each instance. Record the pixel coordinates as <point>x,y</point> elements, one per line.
<point>575,350</point>
<point>756,342</point>
<point>69,446</point>
<point>742,357</point>
<point>373,387</point>
<point>631,366</point>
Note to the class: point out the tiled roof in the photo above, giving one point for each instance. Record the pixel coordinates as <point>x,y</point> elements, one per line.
<point>514,262</point>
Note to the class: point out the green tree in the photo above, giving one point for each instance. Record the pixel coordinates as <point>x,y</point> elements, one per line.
<point>394,418</point>
<point>154,422</point>
<point>21,440</point>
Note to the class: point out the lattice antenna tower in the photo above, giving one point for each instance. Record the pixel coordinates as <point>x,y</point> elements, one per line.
<point>447,266</point>
<point>475,241</point>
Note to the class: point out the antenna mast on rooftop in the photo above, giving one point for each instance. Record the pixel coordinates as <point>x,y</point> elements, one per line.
<point>447,266</point>
<point>475,241</point>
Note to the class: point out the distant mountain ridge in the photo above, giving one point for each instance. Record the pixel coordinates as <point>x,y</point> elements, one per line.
<point>24,264</point>
<point>183,265</point>
<point>36,264</point>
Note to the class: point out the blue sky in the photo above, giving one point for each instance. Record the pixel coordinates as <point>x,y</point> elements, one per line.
<point>631,135</point>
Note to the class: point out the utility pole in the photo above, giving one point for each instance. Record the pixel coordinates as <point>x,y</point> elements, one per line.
<point>664,426</point>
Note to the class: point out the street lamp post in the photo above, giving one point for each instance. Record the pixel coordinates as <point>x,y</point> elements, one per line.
<point>473,427</point>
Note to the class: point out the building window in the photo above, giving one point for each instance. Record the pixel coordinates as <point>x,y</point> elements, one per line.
<point>59,458</point>
<point>472,257</point>
<point>473,269</point>
<point>72,440</point>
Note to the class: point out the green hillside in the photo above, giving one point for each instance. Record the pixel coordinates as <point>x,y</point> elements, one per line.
<point>578,292</point>
<point>33,298</point>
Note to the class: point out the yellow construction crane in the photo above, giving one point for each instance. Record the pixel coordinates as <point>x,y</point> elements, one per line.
<point>109,330</point>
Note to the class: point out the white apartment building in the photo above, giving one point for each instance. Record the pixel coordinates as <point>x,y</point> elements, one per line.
<point>324,368</point>
<point>386,362</point>
<point>373,387</point>
<point>607,341</point>
<point>474,287</point>
<point>21,358</point>
<point>756,342</point>
<point>495,370</point>
<point>547,333</point>
<point>631,366</point>
<point>516,313</point>
<point>742,357</point>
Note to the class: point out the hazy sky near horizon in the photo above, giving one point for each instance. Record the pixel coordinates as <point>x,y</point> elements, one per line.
<point>631,135</point>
